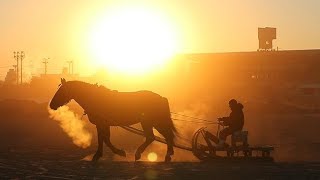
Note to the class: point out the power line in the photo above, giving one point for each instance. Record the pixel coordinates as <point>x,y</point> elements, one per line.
<point>195,122</point>
<point>204,120</point>
<point>5,66</point>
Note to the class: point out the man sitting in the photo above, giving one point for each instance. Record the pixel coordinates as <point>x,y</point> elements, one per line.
<point>234,122</point>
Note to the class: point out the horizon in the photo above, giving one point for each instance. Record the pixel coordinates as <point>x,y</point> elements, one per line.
<point>60,31</point>
<point>79,74</point>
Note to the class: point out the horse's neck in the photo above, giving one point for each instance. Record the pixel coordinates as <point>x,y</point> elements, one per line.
<point>88,97</point>
<point>82,97</point>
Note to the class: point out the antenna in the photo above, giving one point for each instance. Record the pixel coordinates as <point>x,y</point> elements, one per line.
<point>70,67</point>
<point>45,62</point>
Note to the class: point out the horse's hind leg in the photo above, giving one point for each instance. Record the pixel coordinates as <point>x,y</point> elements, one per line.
<point>168,135</point>
<point>106,139</point>
<point>148,132</point>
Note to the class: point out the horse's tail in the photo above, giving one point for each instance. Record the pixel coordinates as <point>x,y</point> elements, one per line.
<point>168,119</point>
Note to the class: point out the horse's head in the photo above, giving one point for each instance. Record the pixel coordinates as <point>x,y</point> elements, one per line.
<point>61,97</point>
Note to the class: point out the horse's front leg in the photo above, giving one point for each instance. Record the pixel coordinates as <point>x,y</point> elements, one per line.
<point>99,152</point>
<point>115,150</point>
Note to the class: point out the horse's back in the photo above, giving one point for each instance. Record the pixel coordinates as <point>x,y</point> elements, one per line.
<point>145,107</point>
<point>138,98</point>
<point>138,105</point>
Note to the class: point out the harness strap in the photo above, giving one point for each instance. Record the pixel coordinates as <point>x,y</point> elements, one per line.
<point>84,114</point>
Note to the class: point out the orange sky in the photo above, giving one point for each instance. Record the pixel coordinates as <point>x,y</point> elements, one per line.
<point>59,29</point>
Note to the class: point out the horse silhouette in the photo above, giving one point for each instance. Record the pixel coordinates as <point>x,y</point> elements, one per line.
<point>106,108</point>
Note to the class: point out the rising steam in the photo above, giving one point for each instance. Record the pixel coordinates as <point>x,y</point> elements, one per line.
<point>72,125</point>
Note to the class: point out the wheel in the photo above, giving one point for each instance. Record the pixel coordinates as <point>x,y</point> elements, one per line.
<point>200,147</point>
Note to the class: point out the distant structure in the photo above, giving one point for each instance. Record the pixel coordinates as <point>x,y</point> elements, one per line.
<point>51,80</point>
<point>266,36</point>
<point>65,70</point>
<point>45,62</point>
<point>11,77</point>
<point>70,70</point>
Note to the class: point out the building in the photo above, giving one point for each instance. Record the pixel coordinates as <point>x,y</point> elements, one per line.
<point>11,77</point>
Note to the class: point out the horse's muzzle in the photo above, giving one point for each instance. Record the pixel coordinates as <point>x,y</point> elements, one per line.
<point>53,106</point>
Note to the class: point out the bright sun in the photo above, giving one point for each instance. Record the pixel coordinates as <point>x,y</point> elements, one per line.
<point>152,157</point>
<point>132,40</point>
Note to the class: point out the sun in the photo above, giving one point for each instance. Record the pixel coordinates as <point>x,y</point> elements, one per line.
<point>152,157</point>
<point>132,40</point>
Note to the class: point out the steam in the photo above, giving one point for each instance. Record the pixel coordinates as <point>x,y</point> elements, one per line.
<point>196,110</point>
<point>72,125</point>
<point>185,132</point>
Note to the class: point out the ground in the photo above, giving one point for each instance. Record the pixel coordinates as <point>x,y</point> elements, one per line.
<point>53,163</point>
<point>33,146</point>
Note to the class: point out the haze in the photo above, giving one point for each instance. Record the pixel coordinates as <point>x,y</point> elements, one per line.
<point>60,30</point>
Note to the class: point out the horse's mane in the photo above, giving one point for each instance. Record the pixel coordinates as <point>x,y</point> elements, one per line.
<point>90,87</point>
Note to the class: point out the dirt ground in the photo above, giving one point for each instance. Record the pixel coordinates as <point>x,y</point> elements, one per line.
<point>33,146</point>
<point>53,163</point>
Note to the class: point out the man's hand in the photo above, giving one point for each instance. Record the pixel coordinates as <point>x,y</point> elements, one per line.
<point>223,121</point>
<point>220,121</point>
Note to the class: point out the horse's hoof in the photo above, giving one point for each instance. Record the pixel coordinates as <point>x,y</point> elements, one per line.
<point>122,153</point>
<point>170,153</point>
<point>137,156</point>
<point>96,157</point>
<point>94,160</point>
<point>167,159</point>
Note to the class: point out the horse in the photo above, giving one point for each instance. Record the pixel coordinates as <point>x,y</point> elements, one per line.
<point>105,108</point>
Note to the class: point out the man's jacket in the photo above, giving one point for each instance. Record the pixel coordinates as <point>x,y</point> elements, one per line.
<point>236,118</point>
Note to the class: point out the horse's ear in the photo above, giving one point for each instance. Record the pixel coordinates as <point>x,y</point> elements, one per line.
<point>63,81</point>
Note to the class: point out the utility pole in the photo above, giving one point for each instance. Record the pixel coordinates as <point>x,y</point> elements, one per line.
<point>45,62</point>
<point>22,55</point>
<point>70,67</point>
<point>17,55</point>
<point>15,68</point>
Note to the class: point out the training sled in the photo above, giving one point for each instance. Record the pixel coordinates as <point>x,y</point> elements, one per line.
<point>205,149</point>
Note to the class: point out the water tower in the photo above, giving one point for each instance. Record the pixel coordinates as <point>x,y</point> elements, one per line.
<point>266,36</point>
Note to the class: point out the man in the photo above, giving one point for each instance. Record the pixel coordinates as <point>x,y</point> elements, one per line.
<point>234,122</point>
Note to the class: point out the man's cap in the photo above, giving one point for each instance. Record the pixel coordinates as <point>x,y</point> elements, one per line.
<point>233,101</point>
